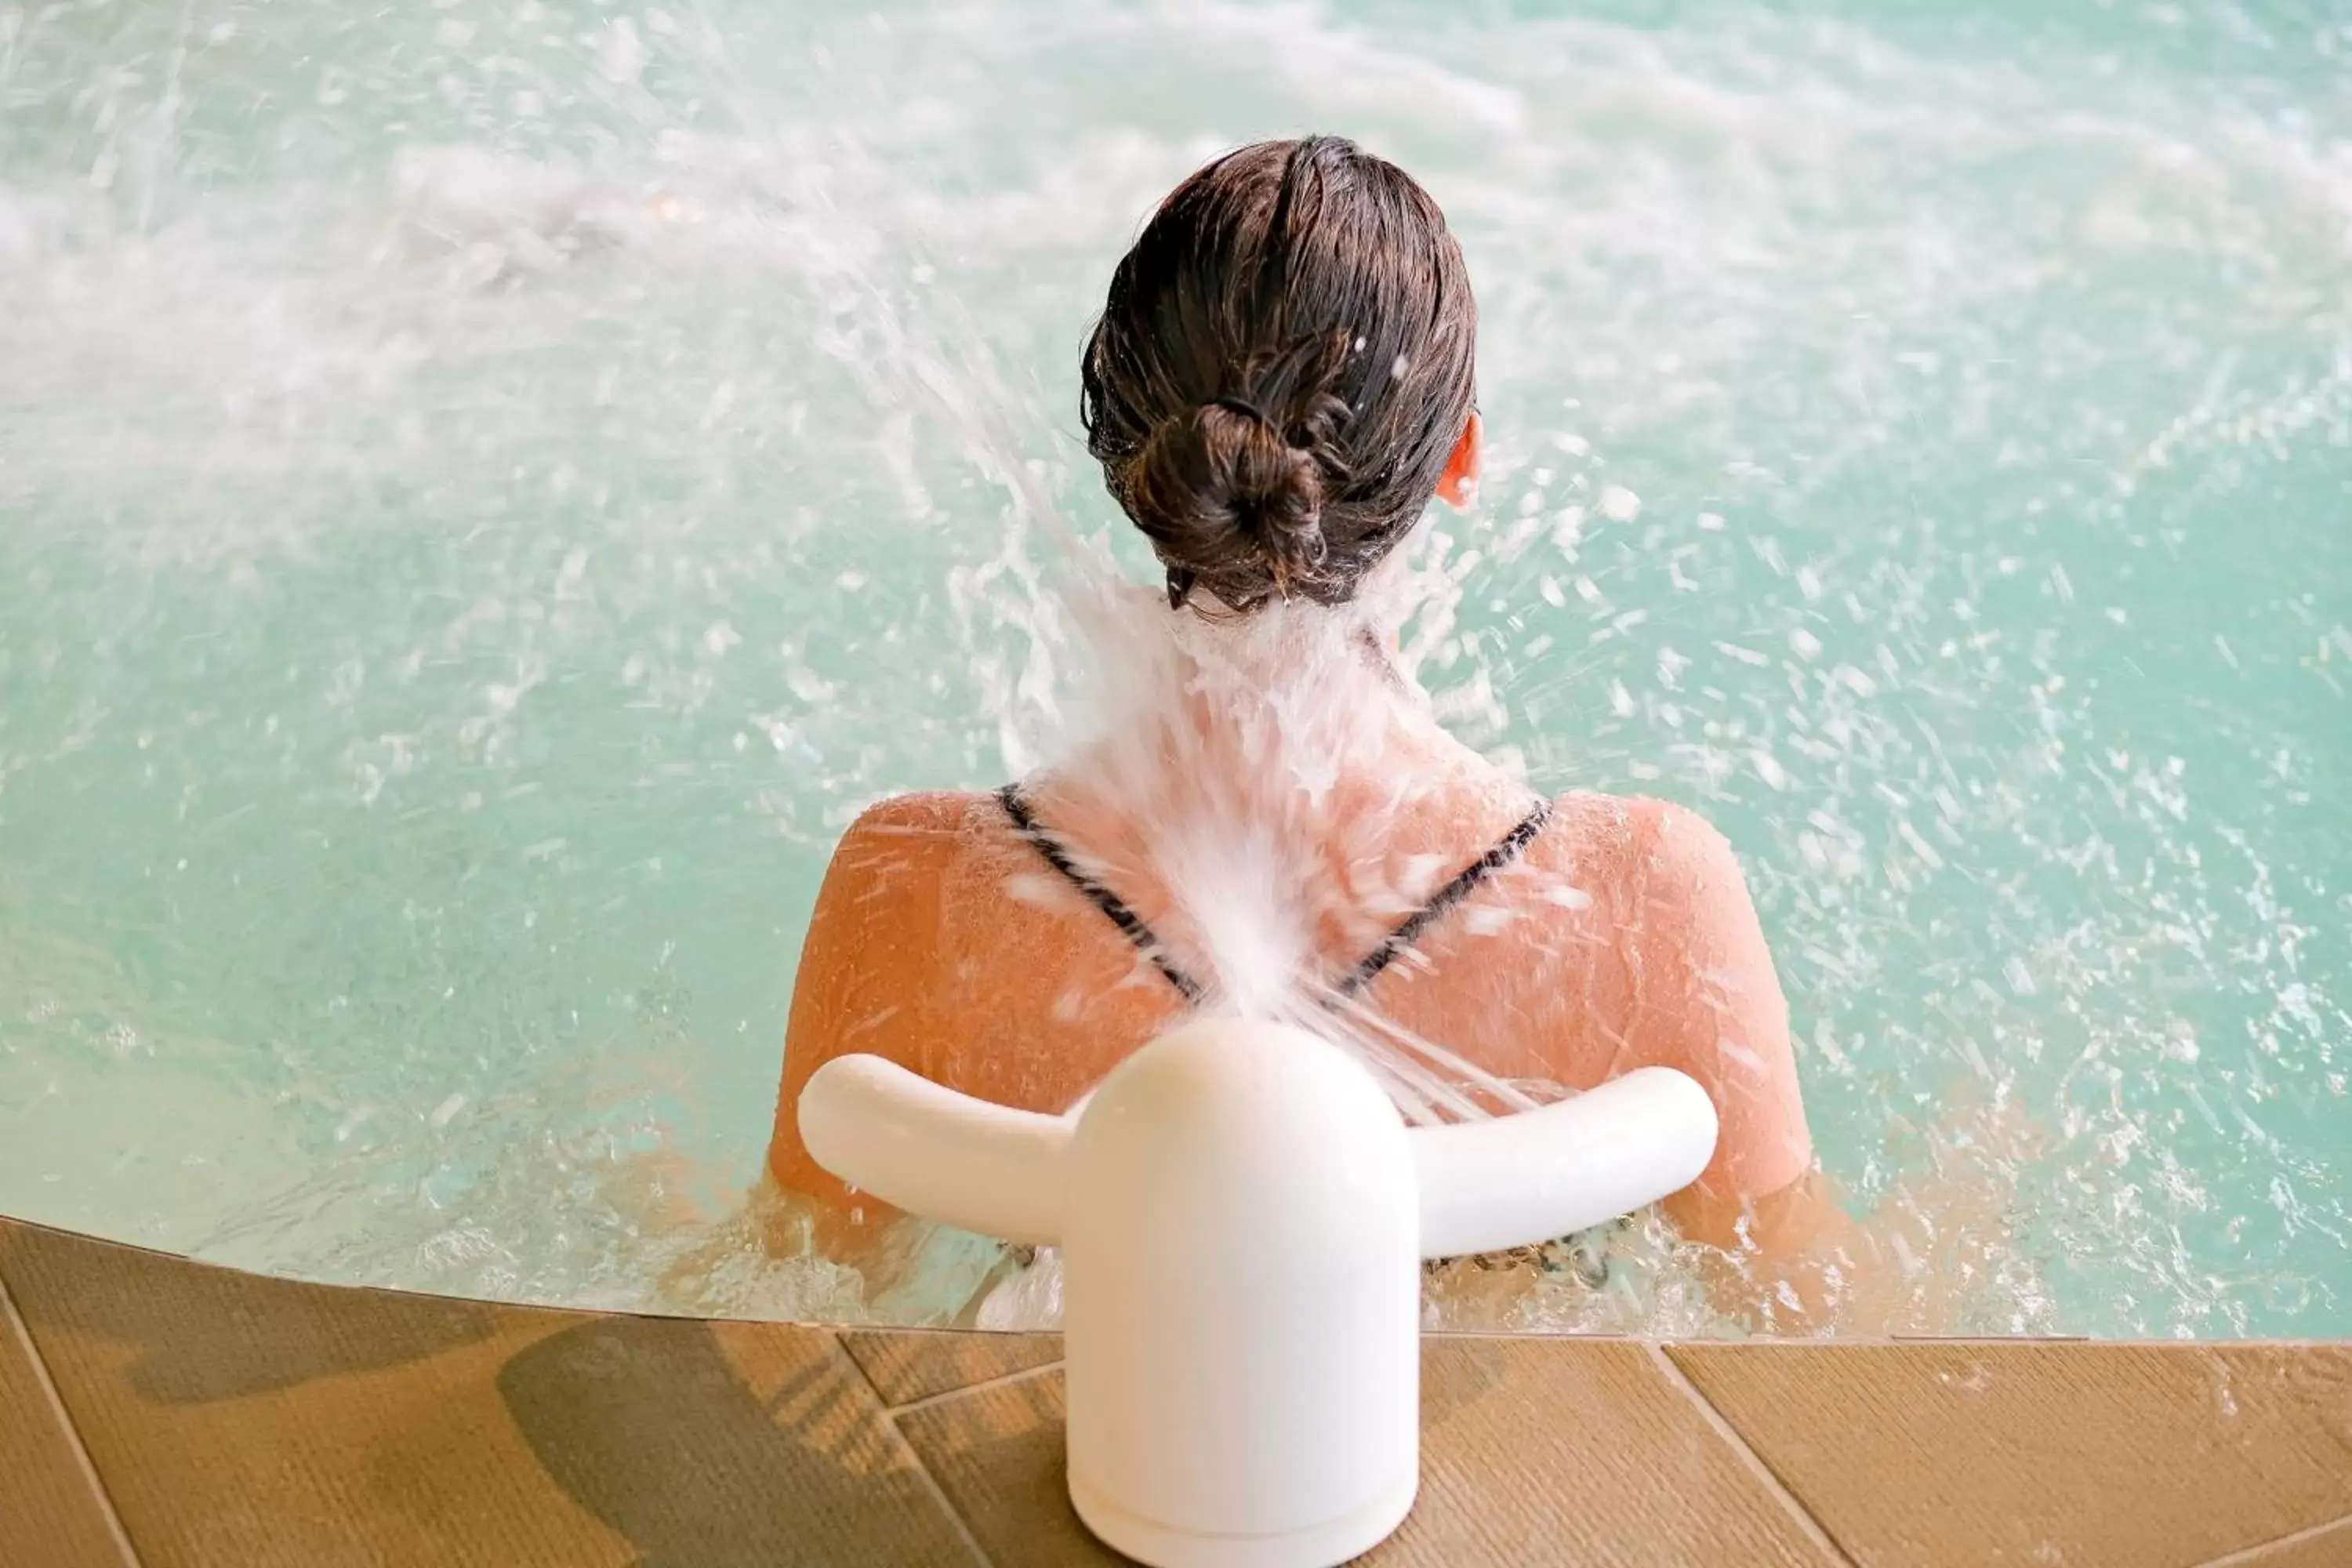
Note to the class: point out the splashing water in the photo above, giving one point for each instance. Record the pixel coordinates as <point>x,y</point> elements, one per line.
<point>1260,764</point>
<point>485,496</point>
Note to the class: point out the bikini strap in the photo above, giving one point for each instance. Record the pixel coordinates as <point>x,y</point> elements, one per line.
<point>1511,846</point>
<point>1129,923</point>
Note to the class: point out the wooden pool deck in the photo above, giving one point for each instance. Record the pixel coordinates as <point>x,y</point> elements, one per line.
<point>163,1413</point>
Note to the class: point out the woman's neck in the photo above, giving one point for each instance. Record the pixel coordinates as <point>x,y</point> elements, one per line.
<point>1295,721</point>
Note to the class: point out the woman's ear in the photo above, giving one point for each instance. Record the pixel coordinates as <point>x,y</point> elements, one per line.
<point>1459,486</point>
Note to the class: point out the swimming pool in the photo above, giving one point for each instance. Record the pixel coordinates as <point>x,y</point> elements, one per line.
<point>486,493</point>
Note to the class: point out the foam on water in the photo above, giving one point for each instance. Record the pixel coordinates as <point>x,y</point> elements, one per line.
<point>485,496</point>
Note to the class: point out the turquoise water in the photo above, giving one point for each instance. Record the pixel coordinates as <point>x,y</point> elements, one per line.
<point>486,493</point>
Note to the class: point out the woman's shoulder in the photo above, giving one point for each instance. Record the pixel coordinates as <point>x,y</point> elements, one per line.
<point>1632,833</point>
<point>924,812</point>
<point>1699,989</point>
<point>1634,851</point>
<point>904,838</point>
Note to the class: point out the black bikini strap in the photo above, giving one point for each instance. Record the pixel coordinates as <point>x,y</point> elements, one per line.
<point>1510,847</point>
<point>1129,923</point>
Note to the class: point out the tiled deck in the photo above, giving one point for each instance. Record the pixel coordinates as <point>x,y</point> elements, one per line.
<point>158,1412</point>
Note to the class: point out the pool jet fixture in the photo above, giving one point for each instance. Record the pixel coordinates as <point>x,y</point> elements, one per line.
<point>1242,1216</point>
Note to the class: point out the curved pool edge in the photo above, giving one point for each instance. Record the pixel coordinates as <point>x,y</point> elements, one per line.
<point>157,1410</point>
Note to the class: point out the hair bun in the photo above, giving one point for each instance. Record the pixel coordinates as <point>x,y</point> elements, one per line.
<point>1285,366</point>
<point>1231,504</point>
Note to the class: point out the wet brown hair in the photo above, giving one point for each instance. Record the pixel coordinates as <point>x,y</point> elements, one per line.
<point>1285,361</point>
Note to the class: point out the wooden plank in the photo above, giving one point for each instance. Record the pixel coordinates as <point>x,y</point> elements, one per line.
<point>247,1421</point>
<point>2329,1546</point>
<point>998,1454</point>
<point>731,1445</point>
<point>238,1420</point>
<point>1534,1452</point>
<point>2133,1455</point>
<point>50,1508</point>
<point>907,1364</point>
<point>1541,1451</point>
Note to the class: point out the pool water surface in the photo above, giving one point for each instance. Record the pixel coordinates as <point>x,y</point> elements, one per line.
<point>488,492</point>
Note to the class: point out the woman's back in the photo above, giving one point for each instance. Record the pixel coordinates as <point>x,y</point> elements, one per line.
<point>1617,935</point>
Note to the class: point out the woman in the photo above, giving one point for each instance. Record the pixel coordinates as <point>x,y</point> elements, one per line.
<point>1281,381</point>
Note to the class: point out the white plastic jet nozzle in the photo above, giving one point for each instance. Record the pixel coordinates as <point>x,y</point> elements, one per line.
<point>1242,1214</point>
